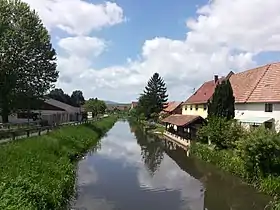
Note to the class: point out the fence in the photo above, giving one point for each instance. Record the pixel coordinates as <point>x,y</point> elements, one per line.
<point>17,131</point>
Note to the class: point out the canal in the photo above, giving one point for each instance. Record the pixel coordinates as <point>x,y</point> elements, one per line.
<point>129,170</point>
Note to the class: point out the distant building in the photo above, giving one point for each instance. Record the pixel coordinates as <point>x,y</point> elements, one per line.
<point>133,105</point>
<point>51,110</point>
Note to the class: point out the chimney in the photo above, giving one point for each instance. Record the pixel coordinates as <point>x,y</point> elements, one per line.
<point>216,78</point>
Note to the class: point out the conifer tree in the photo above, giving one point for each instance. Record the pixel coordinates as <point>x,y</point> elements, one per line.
<point>154,98</point>
<point>222,102</point>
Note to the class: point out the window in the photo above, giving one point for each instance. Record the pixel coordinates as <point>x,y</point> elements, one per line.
<point>196,107</point>
<point>191,107</point>
<point>268,107</point>
<point>186,107</point>
<point>205,106</point>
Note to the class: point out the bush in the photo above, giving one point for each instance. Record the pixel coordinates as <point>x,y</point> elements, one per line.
<point>39,172</point>
<point>221,132</point>
<point>260,151</point>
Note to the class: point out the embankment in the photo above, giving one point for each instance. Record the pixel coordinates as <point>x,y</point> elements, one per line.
<point>231,162</point>
<point>39,172</point>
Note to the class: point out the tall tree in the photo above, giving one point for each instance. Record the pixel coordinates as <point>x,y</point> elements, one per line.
<point>27,58</point>
<point>222,102</point>
<point>78,98</point>
<point>154,99</point>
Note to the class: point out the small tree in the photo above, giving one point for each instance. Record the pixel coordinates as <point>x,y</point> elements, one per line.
<point>222,103</point>
<point>221,132</point>
<point>95,106</point>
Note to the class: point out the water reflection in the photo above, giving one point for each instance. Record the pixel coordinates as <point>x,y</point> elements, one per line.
<point>152,153</point>
<point>130,171</point>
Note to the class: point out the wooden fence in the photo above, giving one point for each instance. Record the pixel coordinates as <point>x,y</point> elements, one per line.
<point>23,130</point>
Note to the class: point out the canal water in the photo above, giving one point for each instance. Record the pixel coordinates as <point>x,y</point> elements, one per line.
<point>129,170</point>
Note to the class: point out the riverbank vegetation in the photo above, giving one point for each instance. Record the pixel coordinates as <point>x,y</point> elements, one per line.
<point>39,172</point>
<point>253,155</point>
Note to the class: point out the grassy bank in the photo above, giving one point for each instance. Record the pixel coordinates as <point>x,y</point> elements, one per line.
<point>229,161</point>
<point>39,172</point>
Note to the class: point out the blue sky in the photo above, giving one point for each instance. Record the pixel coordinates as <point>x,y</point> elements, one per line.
<point>109,49</point>
<point>146,20</point>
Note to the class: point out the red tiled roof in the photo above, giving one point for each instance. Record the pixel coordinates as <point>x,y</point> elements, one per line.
<point>181,120</point>
<point>204,93</point>
<point>171,106</point>
<point>261,84</point>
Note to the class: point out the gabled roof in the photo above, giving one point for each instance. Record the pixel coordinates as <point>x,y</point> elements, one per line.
<point>260,84</point>
<point>171,106</point>
<point>181,120</point>
<point>66,107</point>
<point>204,93</point>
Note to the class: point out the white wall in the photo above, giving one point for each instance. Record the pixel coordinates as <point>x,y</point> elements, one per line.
<point>258,110</point>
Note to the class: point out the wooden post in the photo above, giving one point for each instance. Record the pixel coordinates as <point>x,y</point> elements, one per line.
<point>28,133</point>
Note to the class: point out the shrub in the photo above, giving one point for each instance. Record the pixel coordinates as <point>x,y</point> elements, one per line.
<point>221,132</point>
<point>260,151</point>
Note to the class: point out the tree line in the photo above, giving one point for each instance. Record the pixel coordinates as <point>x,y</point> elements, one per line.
<point>76,99</point>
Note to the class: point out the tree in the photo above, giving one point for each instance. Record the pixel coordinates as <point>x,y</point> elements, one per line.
<point>154,98</point>
<point>59,95</point>
<point>222,103</point>
<point>95,106</point>
<point>78,98</point>
<point>27,58</point>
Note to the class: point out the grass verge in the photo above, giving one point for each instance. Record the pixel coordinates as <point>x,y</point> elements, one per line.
<point>39,172</point>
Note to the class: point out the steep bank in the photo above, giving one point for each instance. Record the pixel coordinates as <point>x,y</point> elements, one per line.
<point>39,172</point>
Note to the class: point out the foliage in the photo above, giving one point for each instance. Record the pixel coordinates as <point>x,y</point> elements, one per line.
<point>221,132</point>
<point>154,98</point>
<point>222,103</point>
<point>230,161</point>
<point>76,99</point>
<point>27,58</point>
<point>36,177</point>
<point>260,151</point>
<point>95,106</point>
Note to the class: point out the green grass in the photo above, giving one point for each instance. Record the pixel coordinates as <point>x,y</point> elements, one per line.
<point>39,172</point>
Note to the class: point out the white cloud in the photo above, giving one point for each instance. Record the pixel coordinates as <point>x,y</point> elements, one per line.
<point>82,46</point>
<point>77,17</point>
<point>226,35</point>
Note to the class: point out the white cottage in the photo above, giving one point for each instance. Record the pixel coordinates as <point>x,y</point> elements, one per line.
<point>257,96</point>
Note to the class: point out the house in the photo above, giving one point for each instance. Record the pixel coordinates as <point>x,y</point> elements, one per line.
<point>173,107</point>
<point>256,92</point>
<point>51,110</point>
<point>133,104</point>
<point>257,96</point>
<point>196,104</point>
<point>185,126</point>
